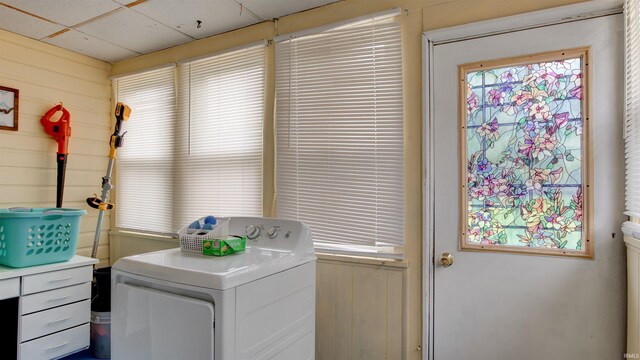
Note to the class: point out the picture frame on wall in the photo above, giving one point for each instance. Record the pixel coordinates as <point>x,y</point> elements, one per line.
<point>9,108</point>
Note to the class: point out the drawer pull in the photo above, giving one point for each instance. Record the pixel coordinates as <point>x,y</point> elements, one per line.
<point>58,346</point>
<point>58,298</point>
<point>59,320</point>
<point>59,280</point>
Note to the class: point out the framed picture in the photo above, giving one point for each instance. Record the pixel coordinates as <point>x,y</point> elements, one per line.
<point>8,108</point>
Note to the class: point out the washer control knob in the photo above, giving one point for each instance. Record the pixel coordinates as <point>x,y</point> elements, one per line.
<point>272,233</point>
<point>253,232</point>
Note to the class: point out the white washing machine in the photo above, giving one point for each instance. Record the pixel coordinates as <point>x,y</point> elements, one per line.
<point>256,304</point>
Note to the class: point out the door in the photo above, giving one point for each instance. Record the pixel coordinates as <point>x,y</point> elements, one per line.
<point>494,305</point>
<point>152,324</point>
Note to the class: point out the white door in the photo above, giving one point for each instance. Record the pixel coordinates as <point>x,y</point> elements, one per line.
<point>492,306</point>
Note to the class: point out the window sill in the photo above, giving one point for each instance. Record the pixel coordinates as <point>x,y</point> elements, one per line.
<point>351,259</point>
<point>403,264</point>
<point>141,235</point>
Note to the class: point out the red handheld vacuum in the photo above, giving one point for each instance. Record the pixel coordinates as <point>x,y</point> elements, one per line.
<point>60,130</point>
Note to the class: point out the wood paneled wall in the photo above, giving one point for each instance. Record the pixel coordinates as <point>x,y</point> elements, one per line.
<point>359,311</point>
<point>123,244</point>
<point>633,295</point>
<point>46,75</point>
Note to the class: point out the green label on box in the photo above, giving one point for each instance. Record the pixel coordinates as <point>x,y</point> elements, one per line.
<point>222,247</point>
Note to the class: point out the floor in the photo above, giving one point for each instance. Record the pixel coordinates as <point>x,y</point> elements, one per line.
<point>83,355</point>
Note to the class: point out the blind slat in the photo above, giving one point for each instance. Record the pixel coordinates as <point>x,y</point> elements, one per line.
<point>632,106</point>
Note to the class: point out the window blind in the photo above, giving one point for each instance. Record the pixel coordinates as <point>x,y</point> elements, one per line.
<point>632,107</point>
<point>144,176</point>
<point>195,153</point>
<point>339,118</point>
<point>219,142</point>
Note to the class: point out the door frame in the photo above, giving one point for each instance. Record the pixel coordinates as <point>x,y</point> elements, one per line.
<point>526,21</point>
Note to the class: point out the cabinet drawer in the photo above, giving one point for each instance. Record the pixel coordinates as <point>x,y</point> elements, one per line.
<point>56,345</point>
<point>52,320</point>
<point>9,288</point>
<point>55,279</point>
<point>49,299</point>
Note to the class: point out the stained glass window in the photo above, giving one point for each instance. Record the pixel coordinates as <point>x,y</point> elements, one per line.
<point>525,175</point>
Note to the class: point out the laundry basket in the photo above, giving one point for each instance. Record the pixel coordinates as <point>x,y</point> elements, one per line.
<point>36,236</point>
<point>191,238</point>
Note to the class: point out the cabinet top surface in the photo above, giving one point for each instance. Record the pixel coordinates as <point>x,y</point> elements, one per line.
<point>77,260</point>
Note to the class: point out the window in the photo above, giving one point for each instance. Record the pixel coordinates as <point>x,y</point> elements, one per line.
<point>525,154</point>
<point>340,136</point>
<point>144,176</point>
<point>196,153</point>
<point>219,153</point>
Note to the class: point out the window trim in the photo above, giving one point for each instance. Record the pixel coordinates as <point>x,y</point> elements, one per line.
<point>586,152</point>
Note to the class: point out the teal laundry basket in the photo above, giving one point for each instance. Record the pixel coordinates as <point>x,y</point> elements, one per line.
<point>36,236</point>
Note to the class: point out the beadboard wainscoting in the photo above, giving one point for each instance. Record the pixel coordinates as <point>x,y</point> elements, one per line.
<point>360,309</point>
<point>633,295</point>
<point>46,75</point>
<point>632,240</point>
<point>123,243</point>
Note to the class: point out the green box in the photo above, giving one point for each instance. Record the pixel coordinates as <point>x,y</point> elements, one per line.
<point>222,247</point>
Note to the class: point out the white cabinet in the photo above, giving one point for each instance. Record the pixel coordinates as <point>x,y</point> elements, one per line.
<point>55,279</point>
<point>54,307</point>
<point>9,288</point>
<point>53,298</point>
<point>56,345</point>
<point>53,320</point>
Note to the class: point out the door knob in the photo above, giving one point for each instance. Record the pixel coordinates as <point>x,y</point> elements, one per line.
<point>446,259</point>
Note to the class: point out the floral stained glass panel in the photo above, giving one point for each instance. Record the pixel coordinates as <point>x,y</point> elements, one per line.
<point>524,156</point>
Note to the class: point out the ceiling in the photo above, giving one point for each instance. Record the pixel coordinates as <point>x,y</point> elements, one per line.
<point>114,30</point>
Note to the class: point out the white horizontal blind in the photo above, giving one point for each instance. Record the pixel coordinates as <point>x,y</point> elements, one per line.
<point>144,193</point>
<point>219,141</point>
<point>340,135</point>
<point>632,108</point>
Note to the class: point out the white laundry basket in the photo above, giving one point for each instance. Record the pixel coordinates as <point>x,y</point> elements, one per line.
<point>191,238</point>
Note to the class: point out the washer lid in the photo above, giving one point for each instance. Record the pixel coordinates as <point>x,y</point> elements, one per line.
<point>210,271</point>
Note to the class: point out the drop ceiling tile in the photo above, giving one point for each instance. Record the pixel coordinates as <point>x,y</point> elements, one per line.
<point>269,9</point>
<point>65,12</point>
<point>127,2</point>
<point>26,25</point>
<point>88,45</point>
<point>133,31</point>
<point>217,16</point>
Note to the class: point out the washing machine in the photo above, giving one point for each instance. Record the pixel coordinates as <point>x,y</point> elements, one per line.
<point>256,304</point>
